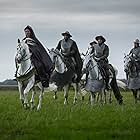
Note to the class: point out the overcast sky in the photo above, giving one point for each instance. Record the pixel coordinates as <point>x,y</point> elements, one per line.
<point>117,20</point>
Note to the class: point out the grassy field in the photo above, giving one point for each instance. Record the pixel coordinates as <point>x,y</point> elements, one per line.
<point>68,122</point>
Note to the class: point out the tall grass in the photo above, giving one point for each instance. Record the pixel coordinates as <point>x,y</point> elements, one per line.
<point>68,122</point>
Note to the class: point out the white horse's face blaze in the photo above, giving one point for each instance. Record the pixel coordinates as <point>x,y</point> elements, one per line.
<point>21,52</point>
<point>22,59</point>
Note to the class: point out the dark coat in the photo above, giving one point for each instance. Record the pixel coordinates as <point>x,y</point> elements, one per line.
<point>74,52</point>
<point>40,59</point>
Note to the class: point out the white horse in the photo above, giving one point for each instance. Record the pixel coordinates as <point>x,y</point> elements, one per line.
<point>25,74</point>
<point>95,82</point>
<point>63,75</point>
<point>132,76</point>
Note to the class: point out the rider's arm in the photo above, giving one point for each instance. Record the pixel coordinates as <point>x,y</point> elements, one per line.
<point>59,46</point>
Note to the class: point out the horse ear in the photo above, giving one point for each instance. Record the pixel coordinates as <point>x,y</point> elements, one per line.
<point>18,40</point>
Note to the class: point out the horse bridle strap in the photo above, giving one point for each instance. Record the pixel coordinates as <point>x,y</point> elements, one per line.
<point>26,76</point>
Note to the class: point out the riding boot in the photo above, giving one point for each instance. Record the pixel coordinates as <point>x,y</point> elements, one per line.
<point>107,79</point>
<point>107,83</point>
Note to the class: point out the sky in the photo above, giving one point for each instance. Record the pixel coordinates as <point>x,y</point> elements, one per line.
<point>117,20</point>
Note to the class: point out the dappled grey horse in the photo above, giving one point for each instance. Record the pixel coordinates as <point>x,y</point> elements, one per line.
<point>95,82</point>
<point>25,75</point>
<point>63,75</point>
<point>132,75</point>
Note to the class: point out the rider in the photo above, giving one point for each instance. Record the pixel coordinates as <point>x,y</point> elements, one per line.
<point>135,53</point>
<point>91,48</point>
<point>40,58</point>
<point>101,53</point>
<point>69,50</point>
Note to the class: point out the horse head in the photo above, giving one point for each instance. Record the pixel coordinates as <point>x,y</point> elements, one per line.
<point>91,66</point>
<point>21,52</point>
<point>130,66</point>
<point>22,58</point>
<point>58,60</point>
<point>127,62</point>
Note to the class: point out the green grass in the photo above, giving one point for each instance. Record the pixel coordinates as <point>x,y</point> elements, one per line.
<point>68,122</point>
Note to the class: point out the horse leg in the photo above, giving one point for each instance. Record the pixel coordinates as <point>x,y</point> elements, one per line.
<point>92,98</point>
<point>55,95</point>
<point>98,96</point>
<point>75,85</point>
<point>32,99</point>
<point>66,94</point>
<point>116,90</point>
<point>83,92</point>
<point>27,89</point>
<point>110,96</point>
<point>79,91</point>
<point>135,91</point>
<point>105,96</point>
<point>40,96</point>
<point>138,95</point>
<point>20,88</point>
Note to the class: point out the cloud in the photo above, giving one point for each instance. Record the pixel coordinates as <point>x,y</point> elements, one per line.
<point>117,20</point>
<point>73,6</point>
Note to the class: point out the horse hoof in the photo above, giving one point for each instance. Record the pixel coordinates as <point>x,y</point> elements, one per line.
<point>74,103</point>
<point>105,103</point>
<point>26,106</point>
<point>22,102</point>
<point>65,102</point>
<point>55,97</point>
<point>38,108</point>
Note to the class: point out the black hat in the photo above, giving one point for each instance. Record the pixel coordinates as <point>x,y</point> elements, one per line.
<point>100,37</point>
<point>67,33</point>
<point>137,41</point>
<point>93,42</point>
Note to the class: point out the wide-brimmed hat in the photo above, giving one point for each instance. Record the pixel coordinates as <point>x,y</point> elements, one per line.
<point>93,42</point>
<point>66,33</point>
<point>100,37</point>
<point>137,41</point>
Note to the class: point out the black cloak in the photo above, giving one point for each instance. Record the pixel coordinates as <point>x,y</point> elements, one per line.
<point>74,52</point>
<point>40,59</point>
